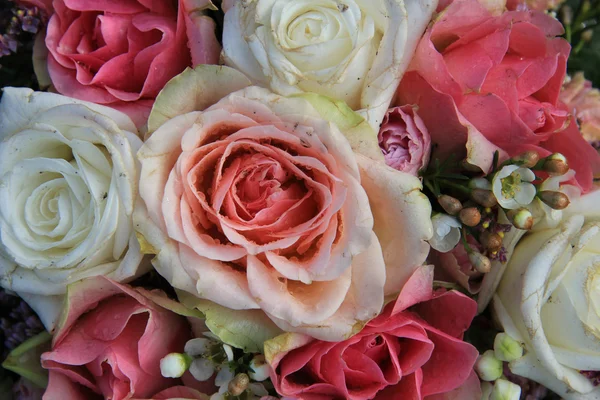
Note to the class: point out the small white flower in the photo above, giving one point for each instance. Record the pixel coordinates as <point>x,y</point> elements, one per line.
<point>446,232</point>
<point>488,367</point>
<point>260,368</point>
<point>202,369</point>
<point>513,188</point>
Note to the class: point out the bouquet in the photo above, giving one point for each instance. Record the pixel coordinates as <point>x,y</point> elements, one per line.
<point>309,199</point>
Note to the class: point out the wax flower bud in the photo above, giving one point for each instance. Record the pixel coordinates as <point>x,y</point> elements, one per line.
<point>480,262</point>
<point>488,367</point>
<point>505,390</point>
<point>556,165</point>
<point>521,218</point>
<point>484,197</point>
<point>451,205</point>
<point>174,365</point>
<point>259,368</point>
<point>238,385</point>
<point>555,200</point>
<point>506,348</point>
<point>470,216</point>
<point>527,159</point>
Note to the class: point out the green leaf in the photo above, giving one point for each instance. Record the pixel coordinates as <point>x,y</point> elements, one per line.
<point>243,329</point>
<point>25,359</point>
<point>360,135</point>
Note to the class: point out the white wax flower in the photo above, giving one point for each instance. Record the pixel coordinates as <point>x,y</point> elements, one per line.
<point>513,188</point>
<point>446,232</point>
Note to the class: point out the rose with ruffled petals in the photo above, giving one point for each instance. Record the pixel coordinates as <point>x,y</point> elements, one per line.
<point>69,187</point>
<point>487,83</point>
<point>404,140</point>
<point>349,50</point>
<point>414,349</point>
<point>122,53</point>
<point>110,343</point>
<point>258,202</point>
<point>584,102</point>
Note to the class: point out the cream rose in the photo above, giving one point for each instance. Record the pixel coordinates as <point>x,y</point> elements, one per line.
<point>67,193</point>
<point>549,299</point>
<point>352,50</point>
<point>257,202</point>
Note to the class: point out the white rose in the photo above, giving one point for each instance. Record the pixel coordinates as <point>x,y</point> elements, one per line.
<point>67,191</point>
<point>353,50</point>
<point>549,299</point>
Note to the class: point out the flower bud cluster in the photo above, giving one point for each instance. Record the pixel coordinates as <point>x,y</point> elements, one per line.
<point>471,204</point>
<point>16,21</point>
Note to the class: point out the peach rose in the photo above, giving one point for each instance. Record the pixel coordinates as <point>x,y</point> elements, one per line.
<point>257,202</point>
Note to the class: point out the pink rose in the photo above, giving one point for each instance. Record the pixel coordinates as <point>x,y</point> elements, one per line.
<point>455,266</point>
<point>110,341</point>
<point>538,5</point>
<point>404,140</point>
<point>584,102</point>
<point>414,350</point>
<point>257,202</point>
<point>122,53</point>
<point>494,82</point>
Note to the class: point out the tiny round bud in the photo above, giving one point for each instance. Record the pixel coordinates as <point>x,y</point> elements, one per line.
<point>506,348</point>
<point>174,365</point>
<point>586,35</point>
<point>556,165</point>
<point>260,368</point>
<point>481,263</point>
<point>528,159</point>
<point>470,216</point>
<point>488,367</point>
<point>450,204</point>
<point>491,241</point>
<point>480,183</point>
<point>505,390</point>
<point>484,197</point>
<point>238,385</point>
<point>521,218</point>
<point>555,200</point>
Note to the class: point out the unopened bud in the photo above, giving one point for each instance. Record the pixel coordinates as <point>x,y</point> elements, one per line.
<point>506,348</point>
<point>486,390</point>
<point>528,159</point>
<point>555,200</point>
<point>505,390</point>
<point>450,204</point>
<point>491,241</point>
<point>470,216</point>
<point>484,197</point>
<point>480,262</point>
<point>480,183</point>
<point>586,35</point>
<point>260,368</point>
<point>521,218</point>
<point>174,365</point>
<point>556,165</point>
<point>567,15</point>
<point>488,367</point>
<point>238,385</point>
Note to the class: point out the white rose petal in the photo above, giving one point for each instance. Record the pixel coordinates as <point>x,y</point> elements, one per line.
<point>548,299</point>
<point>69,186</point>
<point>352,50</point>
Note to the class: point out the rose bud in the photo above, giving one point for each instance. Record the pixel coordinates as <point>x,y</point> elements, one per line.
<point>506,348</point>
<point>521,218</point>
<point>528,159</point>
<point>491,241</point>
<point>480,262</point>
<point>450,204</point>
<point>404,140</point>
<point>470,216</point>
<point>484,197</point>
<point>488,367</point>
<point>556,165</point>
<point>238,385</point>
<point>555,200</point>
<point>505,390</point>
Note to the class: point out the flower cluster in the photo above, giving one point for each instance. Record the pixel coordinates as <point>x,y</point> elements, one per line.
<point>320,217</point>
<point>17,21</point>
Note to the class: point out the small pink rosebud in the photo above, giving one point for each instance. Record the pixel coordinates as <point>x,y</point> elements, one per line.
<point>404,140</point>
